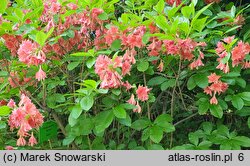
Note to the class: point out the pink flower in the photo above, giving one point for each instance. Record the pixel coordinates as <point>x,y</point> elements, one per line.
<point>132,100</point>
<point>214,100</point>
<point>11,104</point>
<point>25,118</point>
<point>213,78</point>
<point>127,85</point>
<point>138,108</point>
<point>229,39</point>
<point>32,140</point>
<point>9,148</point>
<point>21,142</point>
<point>160,66</point>
<point>142,93</point>
<point>40,75</point>
<point>171,2</point>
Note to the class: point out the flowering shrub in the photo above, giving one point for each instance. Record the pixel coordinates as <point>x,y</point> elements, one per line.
<point>125,74</point>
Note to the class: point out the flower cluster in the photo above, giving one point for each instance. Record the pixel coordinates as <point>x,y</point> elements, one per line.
<point>12,42</point>
<point>25,117</point>
<point>237,54</point>
<point>216,87</point>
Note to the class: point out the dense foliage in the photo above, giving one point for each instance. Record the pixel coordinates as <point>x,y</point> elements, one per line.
<point>128,74</point>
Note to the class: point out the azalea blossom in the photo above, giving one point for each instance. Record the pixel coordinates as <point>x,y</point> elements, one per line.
<point>25,117</point>
<point>216,87</point>
<point>40,75</point>
<point>132,100</point>
<point>32,140</point>
<point>142,93</point>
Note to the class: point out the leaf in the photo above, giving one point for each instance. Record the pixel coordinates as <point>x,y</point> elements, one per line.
<point>87,102</point>
<point>237,102</point>
<point>68,140</point>
<point>193,138</point>
<point>199,24</point>
<point>168,84</point>
<point>156,80</point>
<point>140,124</point>
<point>242,140</point>
<point>191,83</point>
<point>103,120</point>
<point>145,134</point>
<point>116,45</point>
<point>103,16</point>
<point>3,6</point>
<point>142,66</point>
<point>4,110</point>
<point>201,80</point>
<point>203,106</point>
<point>76,111</point>
<point>155,147</point>
<point>156,134</point>
<point>41,37</point>
<point>160,6</point>
<point>3,73</point>
<point>245,96</point>
<point>126,121</point>
<point>216,110</point>
<point>72,65</point>
<point>161,22</point>
<point>241,82</point>
<point>163,118</point>
<point>119,112</point>
<point>87,126</point>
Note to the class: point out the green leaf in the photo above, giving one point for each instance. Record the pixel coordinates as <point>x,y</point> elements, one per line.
<point>2,125</point>
<point>87,102</point>
<point>126,121</point>
<point>68,140</point>
<point>156,134</point>
<point>72,65</point>
<point>242,140</point>
<point>145,134</point>
<point>193,138</point>
<point>41,38</point>
<point>203,106</point>
<point>168,84</point>
<point>156,80</point>
<point>3,73</point>
<point>116,45</point>
<point>163,118</point>
<point>191,83</point>
<point>162,23</point>
<point>140,124</point>
<point>76,111</point>
<point>103,120</point>
<point>186,11</point>
<point>3,6</point>
<point>237,102</point>
<point>201,80</point>
<point>216,110</point>
<point>199,24</point>
<point>119,112</point>
<point>160,6</point>
<point>245,96</point>
<point>241,82</point>
<point>142,66</point>
<point>103,16</point>
<point>4,110</point>
<point>87,126</point>
<point>155,147</point>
